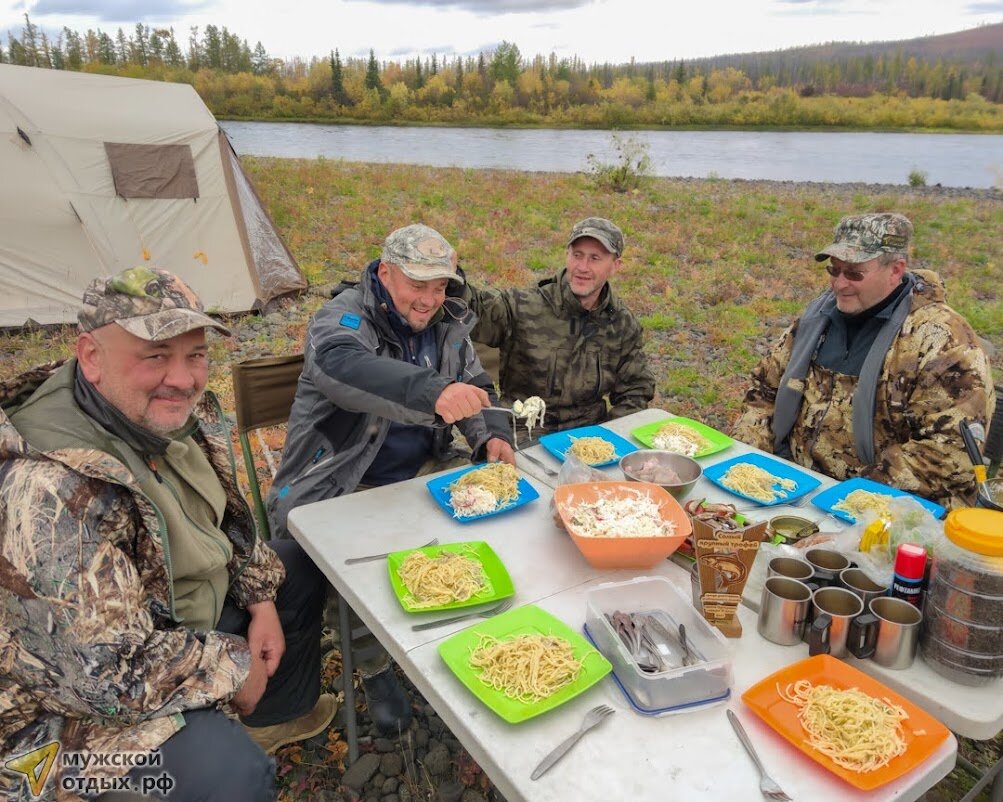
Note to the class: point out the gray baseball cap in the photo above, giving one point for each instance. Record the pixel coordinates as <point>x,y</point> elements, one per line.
<point>862,237</point>
<point>147,302</point>
<point>599,228</point>
<point>422,253</point>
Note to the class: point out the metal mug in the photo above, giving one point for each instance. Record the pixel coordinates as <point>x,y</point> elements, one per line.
<point>783,610</point>
<point>791,567</point>
<point>827,564</point>
<point>888,633</point>
<point>860,584</point>
<point>834,609</point>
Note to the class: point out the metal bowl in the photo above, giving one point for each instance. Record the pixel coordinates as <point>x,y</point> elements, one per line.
<point>639,466</point>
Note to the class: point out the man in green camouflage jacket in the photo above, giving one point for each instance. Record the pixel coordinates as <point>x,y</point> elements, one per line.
<point>569,340</point>
<point>876,375</point>
<point>135,597</point>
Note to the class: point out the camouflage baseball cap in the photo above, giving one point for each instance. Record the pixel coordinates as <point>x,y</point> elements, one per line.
<point>148,302</point>
<point>862,237</point>
<point>422,253</point>
<point>601,229</point>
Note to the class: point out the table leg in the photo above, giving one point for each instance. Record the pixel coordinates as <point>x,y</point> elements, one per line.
<point>347,681</point>
<point>994,775</point>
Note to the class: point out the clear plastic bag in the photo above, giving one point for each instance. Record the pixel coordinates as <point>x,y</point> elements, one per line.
<point>574,471</point>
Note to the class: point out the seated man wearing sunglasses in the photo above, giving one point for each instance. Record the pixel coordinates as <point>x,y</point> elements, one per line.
<point>876,375</point>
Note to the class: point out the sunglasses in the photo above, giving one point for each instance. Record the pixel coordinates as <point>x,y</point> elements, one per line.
<point>849,274</point>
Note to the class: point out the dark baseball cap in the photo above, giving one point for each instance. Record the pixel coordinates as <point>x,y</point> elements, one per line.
<point>147,302</point>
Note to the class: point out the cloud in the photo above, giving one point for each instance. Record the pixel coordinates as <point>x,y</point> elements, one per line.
<point>120,10</point>
<point>491,7</point>
<point>985,7</point>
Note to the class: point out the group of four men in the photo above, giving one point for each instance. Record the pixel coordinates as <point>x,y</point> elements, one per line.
<point>139,605</point>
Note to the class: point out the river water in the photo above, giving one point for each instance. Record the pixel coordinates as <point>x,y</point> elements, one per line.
<point>954,160</point>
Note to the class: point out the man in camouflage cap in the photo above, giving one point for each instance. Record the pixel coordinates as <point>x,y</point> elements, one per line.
<point>569,340</point>
<point>388,361</point>
<point>875,377</point>
<point>130,566</point>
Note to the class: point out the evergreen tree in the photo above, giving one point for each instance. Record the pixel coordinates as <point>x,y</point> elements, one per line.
<point>30,44</point>
<point>106,48</point>
<point>260,63</point>
<point>121,48</point>
<point>459,74</point>
<point>506,63</point>
<point>419,79</point>
<point>338,80</point>
<point>373,74</point>
<point>434,69</point>
<point>172,53</point>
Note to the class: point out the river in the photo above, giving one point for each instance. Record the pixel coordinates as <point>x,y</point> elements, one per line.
<point>953,160</point>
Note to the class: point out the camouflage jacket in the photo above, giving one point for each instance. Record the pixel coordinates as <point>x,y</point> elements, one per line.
<point>588,366</point>
<point>89,655</point>
<point>934,375</point>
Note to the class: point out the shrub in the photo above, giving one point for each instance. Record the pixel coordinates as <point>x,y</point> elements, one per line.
<point>631,166</point>
<point>917,177</point>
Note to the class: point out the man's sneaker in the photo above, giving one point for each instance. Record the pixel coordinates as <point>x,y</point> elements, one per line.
<point>306,726</point>
<point>389,706</point>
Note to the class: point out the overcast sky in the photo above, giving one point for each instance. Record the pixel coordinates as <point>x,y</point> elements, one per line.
<point>594,30</point>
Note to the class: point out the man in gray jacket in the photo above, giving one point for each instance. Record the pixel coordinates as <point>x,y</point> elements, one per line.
<point>389,367</point>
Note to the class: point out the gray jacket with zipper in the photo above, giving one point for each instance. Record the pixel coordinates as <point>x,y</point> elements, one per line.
<point>355,382</point>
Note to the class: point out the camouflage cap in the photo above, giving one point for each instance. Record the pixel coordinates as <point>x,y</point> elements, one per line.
<point>599,228</point>
<point>150,303</point>
<point>862,237</point>
<point>422,253</point>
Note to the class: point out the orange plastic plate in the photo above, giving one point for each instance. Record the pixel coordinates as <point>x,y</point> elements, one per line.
<point>765,701</point>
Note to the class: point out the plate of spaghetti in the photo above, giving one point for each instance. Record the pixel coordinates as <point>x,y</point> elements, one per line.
<point>761,479</point>
<point>447,577</point>
<point>593,445</point>
<point>848,722</point>
<point>850,499</point>
<point>524,662</point>
<point>479,491</point>
<point>683,436</point>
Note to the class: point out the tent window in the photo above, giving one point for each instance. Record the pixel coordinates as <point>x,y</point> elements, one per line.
<point>152,171</point>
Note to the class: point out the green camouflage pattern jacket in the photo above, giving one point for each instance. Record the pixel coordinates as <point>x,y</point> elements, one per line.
<point>934,375</point>
<point>89,655</point>
<point>588,366</point>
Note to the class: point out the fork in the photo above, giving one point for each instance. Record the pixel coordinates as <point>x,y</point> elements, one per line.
<point>767,785</point>
<point>501,607</point>
<point>592,718</point>
<point>535,461</point>
<point>369,557</point>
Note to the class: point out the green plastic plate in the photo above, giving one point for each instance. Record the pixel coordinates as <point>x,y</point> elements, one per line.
<point>526,620</point>
<point>718,441</point>
<point>499,585</point>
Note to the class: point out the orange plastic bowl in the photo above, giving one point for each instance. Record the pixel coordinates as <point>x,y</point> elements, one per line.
<point>622,552</point>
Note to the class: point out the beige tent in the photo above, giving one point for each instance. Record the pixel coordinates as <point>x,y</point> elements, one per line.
<point>98,174</point>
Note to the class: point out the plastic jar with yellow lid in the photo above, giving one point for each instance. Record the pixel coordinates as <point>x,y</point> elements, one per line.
<point>963,627</point>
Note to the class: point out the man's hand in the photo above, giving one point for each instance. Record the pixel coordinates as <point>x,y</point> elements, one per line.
<point>246,699</point>
<point>460,400</point>
<point>264,635</point>
<point>498,450</point>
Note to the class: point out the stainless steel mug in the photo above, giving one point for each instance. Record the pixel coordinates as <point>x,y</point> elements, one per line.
<point>860,584</point>
<point>834,609</point>
<point>827,564</point>
<point>888,634</point>
<point>783,610</point>
<point>791,567</point>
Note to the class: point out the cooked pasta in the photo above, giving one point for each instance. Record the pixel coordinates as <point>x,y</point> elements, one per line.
<point>857,731</point>
<point>592,450</point>
<point>680,439</point>
<point>444,578</point>
<point>484,490</point>
<point>526,668</point>
<point>860,501</point>
<point>752,481</point>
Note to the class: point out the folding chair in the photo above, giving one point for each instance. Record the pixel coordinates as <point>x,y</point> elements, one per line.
<point>263,391</point>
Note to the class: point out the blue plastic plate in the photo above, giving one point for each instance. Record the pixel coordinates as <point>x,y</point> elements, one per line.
<point>831,496</point>
<point>804,482</point>
<point>439,488</point>
<point>559,442</point>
